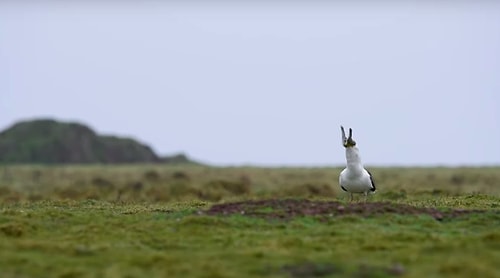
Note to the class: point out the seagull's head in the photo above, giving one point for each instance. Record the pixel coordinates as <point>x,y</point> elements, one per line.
<point>348,142</point>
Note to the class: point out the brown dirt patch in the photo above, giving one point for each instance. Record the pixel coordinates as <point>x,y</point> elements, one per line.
<point>310,269</point>
<point>290,208</point>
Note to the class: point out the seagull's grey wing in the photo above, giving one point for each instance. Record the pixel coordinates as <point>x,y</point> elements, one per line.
<point>371,180</point>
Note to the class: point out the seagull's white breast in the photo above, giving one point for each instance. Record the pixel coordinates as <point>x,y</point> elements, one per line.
<point>355,182</point>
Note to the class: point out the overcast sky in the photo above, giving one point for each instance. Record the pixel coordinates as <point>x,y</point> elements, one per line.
<point>263,84</point>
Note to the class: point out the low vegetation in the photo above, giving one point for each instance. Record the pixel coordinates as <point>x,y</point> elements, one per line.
<point>196,221</point>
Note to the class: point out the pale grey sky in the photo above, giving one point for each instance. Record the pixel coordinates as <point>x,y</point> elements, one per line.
<point>263,84</point>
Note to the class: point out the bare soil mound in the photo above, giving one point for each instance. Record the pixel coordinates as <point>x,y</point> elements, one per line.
<point>290,208</point>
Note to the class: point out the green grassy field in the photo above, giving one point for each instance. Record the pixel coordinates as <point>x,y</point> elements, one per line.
<point>155,221</point>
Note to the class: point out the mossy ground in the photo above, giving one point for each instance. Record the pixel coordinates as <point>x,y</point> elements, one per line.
<point>92,233</point>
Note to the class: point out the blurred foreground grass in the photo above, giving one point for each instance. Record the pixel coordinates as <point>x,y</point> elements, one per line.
<point>148,221</point>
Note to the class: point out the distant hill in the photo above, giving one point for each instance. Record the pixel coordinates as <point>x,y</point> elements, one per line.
<point>48,141</point>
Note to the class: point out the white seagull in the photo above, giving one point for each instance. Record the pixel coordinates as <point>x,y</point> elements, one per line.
<point>354,178</point>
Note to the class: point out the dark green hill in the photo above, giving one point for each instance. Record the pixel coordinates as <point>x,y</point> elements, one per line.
<point>49,141</point>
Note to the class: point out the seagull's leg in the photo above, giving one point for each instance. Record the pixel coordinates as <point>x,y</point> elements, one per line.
<point>352,198</point>
<point>366,196</point>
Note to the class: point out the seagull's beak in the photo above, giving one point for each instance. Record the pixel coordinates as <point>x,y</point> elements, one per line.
<point>347,141</point>
<point>344,139</point>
